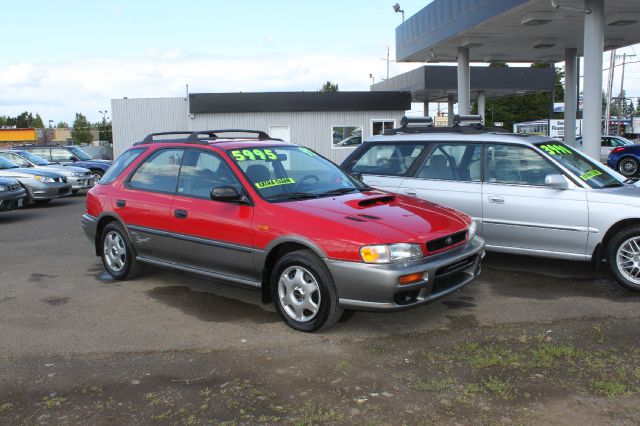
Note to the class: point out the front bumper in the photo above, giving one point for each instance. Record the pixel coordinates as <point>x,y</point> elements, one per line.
<point>48,191</point>
<point>90,226</point>
<point>83,182</point>
<point>13,200</point>
<point>363,286</point>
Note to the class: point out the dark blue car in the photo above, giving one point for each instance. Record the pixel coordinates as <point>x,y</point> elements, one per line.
<point>625,159</point>
<point>68,155</point>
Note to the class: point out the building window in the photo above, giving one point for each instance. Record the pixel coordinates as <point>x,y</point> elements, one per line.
<point>378,126</point>
<point>346,136</point>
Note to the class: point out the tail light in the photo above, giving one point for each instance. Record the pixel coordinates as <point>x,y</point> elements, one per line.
<point>618,149</point>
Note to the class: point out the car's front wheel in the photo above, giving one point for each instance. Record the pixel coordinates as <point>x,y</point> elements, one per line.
<point>624,257</point>
<point>304,292</point>
<point>117,253</point>
<point>97,174</point>
<point>628,167</point>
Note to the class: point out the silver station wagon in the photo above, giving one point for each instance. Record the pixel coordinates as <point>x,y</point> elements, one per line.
<point>528,195</point>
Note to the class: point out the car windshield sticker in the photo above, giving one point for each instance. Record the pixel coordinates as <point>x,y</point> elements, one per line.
<point>253,154</point>
<point>590,174</point>
<point>274,182</point>
<point>555,149</point>
<point>308,151</point>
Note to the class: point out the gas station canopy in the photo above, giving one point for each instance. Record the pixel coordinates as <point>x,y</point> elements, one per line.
<point>510,30</point>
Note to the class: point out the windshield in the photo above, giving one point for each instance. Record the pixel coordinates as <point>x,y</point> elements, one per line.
<point>588,170</point>
<point>285,173</point>
<point>35,159</point>
<point>7,164</point>
<point>79,153</point>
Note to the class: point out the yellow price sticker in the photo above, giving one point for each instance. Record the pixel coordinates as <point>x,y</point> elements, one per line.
<point>274,182</point>
<point>590,174</point>
<point>253,154</point>
<point>555,149</point>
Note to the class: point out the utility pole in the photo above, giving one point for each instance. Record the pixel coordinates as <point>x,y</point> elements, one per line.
<point>607,108</point>
<point>621,102</point>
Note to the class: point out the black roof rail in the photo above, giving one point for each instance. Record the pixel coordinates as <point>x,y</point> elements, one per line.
<point>214,134</point>
<point>150,137</point>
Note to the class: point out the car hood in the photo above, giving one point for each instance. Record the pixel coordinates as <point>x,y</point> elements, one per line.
<point>626,195</point>
<point>62,169</point>
<point>20,172</point>
<point>377,217</point>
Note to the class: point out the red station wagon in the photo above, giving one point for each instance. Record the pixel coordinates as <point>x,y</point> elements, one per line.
<point>277,217</point>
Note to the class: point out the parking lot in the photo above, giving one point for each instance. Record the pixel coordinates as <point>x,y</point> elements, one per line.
<point>531,342</point>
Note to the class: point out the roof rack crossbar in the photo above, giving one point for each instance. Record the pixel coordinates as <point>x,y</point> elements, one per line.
<point>405,121</point>
<point>213,134</point>
<point>150,137</point>
<point>470,118</point>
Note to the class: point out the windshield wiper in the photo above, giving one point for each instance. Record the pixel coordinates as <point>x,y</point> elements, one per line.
<point>612,185</point>
<point>337,191</point>
<point>291,196</point>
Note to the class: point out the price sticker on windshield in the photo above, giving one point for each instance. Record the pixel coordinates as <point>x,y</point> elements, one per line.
<point>274,182</point>
<point>590,174</point>
<point>555,149</point>
<point>253,154</point>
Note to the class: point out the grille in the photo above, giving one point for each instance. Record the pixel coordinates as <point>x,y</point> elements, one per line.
<point>87,173</point>
<point>451,275</point>
<point>13,187</point>
<point>444,242</point>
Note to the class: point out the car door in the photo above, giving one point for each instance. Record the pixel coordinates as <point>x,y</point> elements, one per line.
<point>450,174</point>
<point>521,214</point>
<point>211,236</point>
<point>383,166</point>
<point>144,204</point>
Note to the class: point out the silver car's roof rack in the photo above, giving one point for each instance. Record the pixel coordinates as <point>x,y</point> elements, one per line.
<point>201,137</point>
<point>465,124</point>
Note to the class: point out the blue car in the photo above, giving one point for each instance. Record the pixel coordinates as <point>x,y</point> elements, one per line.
<point>68,155</point>
<point>626,160</point>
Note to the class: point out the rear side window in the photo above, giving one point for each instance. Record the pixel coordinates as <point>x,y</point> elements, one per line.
<point>459,162</point>
<point>120,164</point>
<point>42,152</point>
<point>60,155</point>
<point>159,172</point>
<point>387,159</point>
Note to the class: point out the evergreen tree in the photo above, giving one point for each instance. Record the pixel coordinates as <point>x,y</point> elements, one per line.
<point>81,132</point>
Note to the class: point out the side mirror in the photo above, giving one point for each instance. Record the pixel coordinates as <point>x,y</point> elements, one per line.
<point>556,182</point>
<point>227,194</point>
<point>356,175</point>
<point>73,158</point>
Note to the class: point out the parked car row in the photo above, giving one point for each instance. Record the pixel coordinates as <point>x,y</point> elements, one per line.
<point>39,180</point>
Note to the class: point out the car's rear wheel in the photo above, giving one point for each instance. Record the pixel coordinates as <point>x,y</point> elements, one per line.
<point>117,253</point>
<point>304,292</point>
<point>624,257</point>
<point>42,202</point>
<point>628,166</point>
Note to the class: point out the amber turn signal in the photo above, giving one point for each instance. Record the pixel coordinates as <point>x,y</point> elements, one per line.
<point>412,278</point>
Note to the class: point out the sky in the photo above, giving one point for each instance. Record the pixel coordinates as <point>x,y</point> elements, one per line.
<point>69,56</point>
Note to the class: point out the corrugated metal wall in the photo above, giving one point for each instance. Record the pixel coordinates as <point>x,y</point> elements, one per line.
<point>133,119</point>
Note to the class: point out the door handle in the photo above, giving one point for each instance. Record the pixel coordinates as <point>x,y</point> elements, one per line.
<point>495,199</point>
<point>411,193</point>
<point>180,214</point>
<point>121,203</point>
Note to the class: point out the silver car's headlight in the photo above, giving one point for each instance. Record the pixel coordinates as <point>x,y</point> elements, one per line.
<point>45,179</point>
<point>472,230</point>
<point>3,188</point>
<point>387,253</point>
<point>76,174</point>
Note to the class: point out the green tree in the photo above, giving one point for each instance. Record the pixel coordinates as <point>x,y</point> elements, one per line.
<point>104,130</point>
<point>24,120</point>
<point>37,122</point>
<point>329,87</point>
<point>62,125</point>
<point>81,132</point>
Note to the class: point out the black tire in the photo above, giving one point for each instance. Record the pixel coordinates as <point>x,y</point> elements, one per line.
<point>623,257</point>
<point>116,251</point>
<point>628,166</point>
<point>98,174</point>
<point>74,191</point>
<point>314,285</point>
<point>42,202</point>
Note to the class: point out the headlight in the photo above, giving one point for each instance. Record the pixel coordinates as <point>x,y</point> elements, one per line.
<point>76,174</point>
<point>3,188</point>
<point>472,230</point>
<point>386,253</point>
<point>44,179</point>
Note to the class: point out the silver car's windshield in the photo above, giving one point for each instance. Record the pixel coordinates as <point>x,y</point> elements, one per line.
<point>37,160</point>
<point>79,153</point>
<point>588,170</point>
<point>7,164</point>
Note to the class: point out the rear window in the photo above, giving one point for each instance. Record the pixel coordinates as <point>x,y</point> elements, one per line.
<point>120,164</point>
<point>387,159</point>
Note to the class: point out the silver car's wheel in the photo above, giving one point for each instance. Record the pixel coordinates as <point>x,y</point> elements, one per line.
<point>628,167</point>
<point>628,259</point>
<point>115,251</point>
<point>299,293</point>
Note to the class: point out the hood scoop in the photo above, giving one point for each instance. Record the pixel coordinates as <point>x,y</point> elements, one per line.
<point>370,202</point>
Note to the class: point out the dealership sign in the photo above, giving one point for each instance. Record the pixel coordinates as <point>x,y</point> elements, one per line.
<point>556,128</point>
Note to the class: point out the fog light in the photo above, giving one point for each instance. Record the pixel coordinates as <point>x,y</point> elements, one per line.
<point>413,278</point>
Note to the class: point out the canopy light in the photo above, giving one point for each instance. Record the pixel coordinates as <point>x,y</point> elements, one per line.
<point>620,19</point>
<point>544,44</point>
<point>536,18</point>
<point>472,43</point>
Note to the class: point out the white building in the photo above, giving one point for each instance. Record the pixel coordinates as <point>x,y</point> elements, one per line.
<point>331,123</point>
